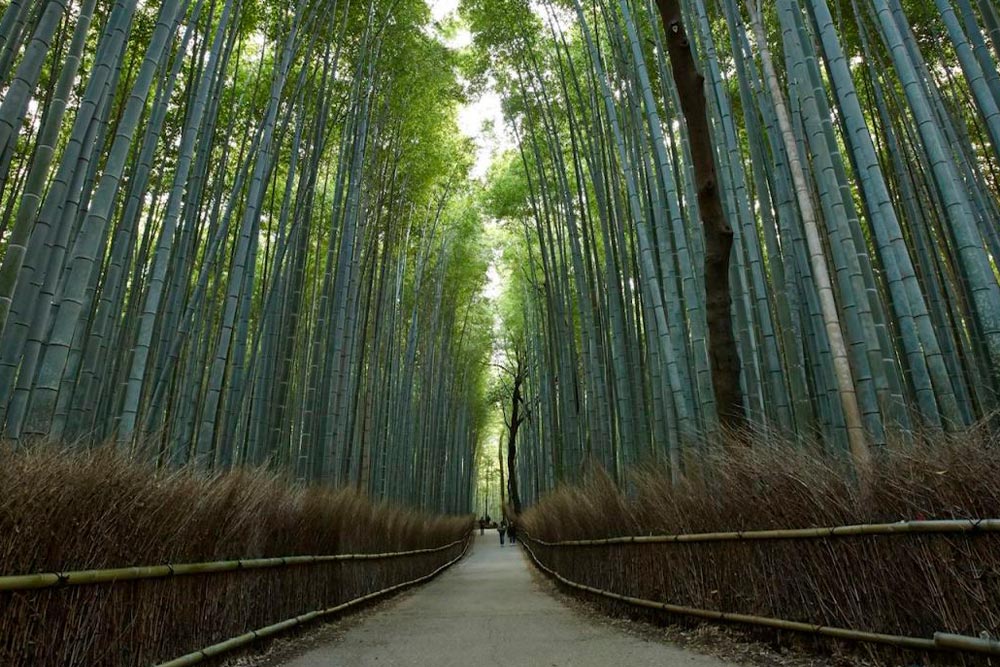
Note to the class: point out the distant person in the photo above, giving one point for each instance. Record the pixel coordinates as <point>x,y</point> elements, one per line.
<point>502,528</point>
<point>482,525</point>
<point>512,532</point>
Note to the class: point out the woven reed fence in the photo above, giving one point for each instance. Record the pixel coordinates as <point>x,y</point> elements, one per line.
<point>70,520</point>
<point>844,582</point>
<point>235,601</point>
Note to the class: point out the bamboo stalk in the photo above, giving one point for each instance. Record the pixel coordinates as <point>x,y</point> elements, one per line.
<point>898,528</point>
<point>964,643</point>
<point>244,639</point>
<point>24,582</point>
<point>955,642</point>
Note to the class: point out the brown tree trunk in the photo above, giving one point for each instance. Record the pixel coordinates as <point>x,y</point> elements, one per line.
<point>515,422</point>
<point>723,355</point>
<point>503,496</point>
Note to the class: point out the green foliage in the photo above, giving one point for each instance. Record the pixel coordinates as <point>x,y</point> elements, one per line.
<point>602,247</point>
<point>294,280</point>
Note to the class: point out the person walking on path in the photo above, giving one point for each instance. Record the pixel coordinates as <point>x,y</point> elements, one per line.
<point>512,532</point>
<point>482,525</point>
<point>502,528</point>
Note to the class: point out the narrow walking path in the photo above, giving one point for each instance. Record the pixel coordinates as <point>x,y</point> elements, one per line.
<point>488,610</point>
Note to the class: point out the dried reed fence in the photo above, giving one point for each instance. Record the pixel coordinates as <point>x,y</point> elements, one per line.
<point>909,583</point>
<point>64,512</point>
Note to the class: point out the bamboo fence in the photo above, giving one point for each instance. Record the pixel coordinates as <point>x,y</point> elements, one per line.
<point>897,528</point>
<point>275,628</point>
<point>24,582</point>
<point>941,641</point>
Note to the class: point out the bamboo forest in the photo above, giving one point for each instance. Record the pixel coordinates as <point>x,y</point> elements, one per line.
<point>323,290</point>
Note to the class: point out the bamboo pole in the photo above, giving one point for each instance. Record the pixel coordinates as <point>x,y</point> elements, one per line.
<point>244,639</point>
<point>898,528</point>
<point>964,643</point>
<point>952,642</point>
<point>24,582</point>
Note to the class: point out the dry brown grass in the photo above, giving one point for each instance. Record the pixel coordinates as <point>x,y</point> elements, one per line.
<point>907,584</point>
<point>88,510</point>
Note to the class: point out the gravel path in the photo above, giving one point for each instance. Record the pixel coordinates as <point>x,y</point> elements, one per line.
<point>488,610</point>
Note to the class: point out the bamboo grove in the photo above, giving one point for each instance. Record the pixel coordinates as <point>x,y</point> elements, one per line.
<point>240,232</point>
<point>856,144</point>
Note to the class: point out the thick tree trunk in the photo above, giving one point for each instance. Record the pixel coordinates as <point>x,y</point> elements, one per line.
<point>503,494</point>
<point>723,354</point>
<point>515,422</point>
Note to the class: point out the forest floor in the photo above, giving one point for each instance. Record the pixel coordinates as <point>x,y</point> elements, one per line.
<point>491,608</point>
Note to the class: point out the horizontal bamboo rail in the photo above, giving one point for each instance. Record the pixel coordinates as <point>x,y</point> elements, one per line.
<point>24,582</point>
<point>269,630</point>
<point>940,642</point>
<point>898,528</point>
<point>965,643</point>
